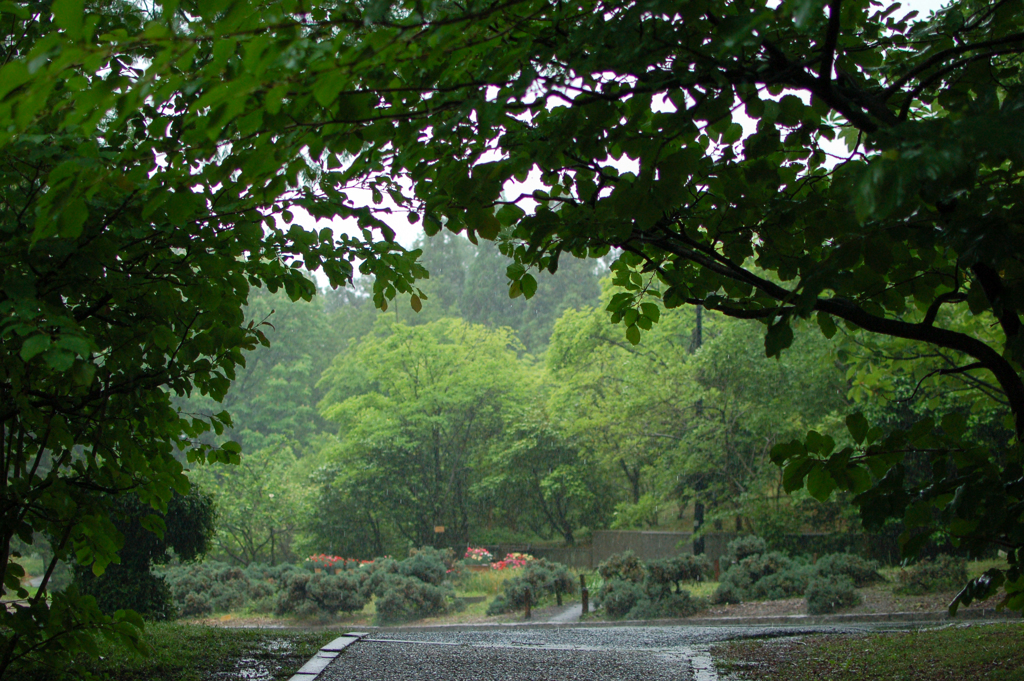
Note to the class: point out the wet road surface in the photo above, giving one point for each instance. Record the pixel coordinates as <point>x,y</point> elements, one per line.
<point>627,653</point>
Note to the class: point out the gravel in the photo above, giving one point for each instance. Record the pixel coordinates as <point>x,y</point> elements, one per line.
<point>628,653</point>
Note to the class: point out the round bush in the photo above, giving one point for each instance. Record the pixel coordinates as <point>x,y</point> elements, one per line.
<point>680,604</point>
<point>400,598</point>
<point>625,566</point>
<point>861,571</point>
<point>828,596</point>
<point>790,582</point>
<point>742,547</point>
<point>619,597</point>
<point>943,573</point>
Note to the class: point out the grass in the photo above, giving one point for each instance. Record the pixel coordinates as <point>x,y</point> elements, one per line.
<point>190,652</point>
<point>990,652</point>
<point>484,583</point>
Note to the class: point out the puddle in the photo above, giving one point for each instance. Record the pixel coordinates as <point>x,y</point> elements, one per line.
<point>701,664</point>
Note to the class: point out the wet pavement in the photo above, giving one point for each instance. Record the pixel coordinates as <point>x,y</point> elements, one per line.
<point>624,653</point>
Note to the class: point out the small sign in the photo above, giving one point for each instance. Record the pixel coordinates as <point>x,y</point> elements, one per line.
<point>439,529</point>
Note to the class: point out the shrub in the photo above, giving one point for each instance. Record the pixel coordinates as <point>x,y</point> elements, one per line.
<point>625,566</point>
<point>790,582</point>
<point>539,578</point>
<point>425,564</point>
<point>498,606</point>
<point>742,547</point>
<point>202,588</point>
<point>678,604</point>
<point>402,597</point>
<point>942,573</point>
<point>830,595</point>
<point>861,571</point>
<point>123,589</point>
<point>661,575</point>
<point>739,582</point>
<point>320,595</point>
<point>727,593</point>
<point>619,597</point>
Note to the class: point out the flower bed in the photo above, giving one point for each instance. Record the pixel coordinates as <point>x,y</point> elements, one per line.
<point>477,556</point>
<point>512,560</point>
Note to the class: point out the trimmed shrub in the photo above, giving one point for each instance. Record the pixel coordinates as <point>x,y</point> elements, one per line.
<point>942,573</point>
<point>831,595</point>
<point>539,578</point>
<point>738,582</point>
<point>790,582</point>
<point>619,597</point>
<point>204,588</point>
<point>498,606</point>
<point>861,571</point>
<point>426,564</point>
<point>678,604</point>
<point>661,575</point>
<point>740,548</point>
<point>400,598</point>
<point>320,595</point>
<point>625,566</point>
<point>727,593</point>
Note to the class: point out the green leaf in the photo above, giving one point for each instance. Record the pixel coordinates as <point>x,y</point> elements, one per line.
<point>515,271</point>
<point>509,214</point>
<point>414,301</point>
<point>820,484</point>
<point>794,473</point>
<point>529,285</point>
<point>633,334</point>
<point>778,338</point>
<point>827,326</point>
<point>858,427</point>
<point>69,15</point>
<point>33,345</point>
<point>954,424</point>
<point>651,311</point>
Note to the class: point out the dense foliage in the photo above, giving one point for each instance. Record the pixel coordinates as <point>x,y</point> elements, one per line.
<point>130,584</point>
<point>828,584</point>
<point>636,590</point>
<point>153,160</point>
<point>537,579</point>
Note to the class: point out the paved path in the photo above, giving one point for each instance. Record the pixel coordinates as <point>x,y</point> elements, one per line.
<point>569,653</point>
<point>570,614</point>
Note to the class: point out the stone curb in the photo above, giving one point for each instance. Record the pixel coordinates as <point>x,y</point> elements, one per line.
<point>326,655</point>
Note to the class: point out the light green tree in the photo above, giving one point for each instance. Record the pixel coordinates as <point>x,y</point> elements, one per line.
<point>416,407</point>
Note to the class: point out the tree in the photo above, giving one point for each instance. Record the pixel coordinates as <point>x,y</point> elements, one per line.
<point>258,504</point>
<point>535,476</point>
<point>145,154</point>
<point>135,218</point>
<point>686,422</point>
<point>129,584</point>
<point>416,407</point>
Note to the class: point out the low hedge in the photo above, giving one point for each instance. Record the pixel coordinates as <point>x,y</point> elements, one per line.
<point>409,589</point>
<point>942,573</point>
<point>755,573</point>
<point>633,589</point>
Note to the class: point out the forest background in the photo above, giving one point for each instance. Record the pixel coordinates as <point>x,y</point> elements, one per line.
<point>535,421</point>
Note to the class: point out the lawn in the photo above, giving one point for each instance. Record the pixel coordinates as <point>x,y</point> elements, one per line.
<point>191,652</point>
<point>952,653</point>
